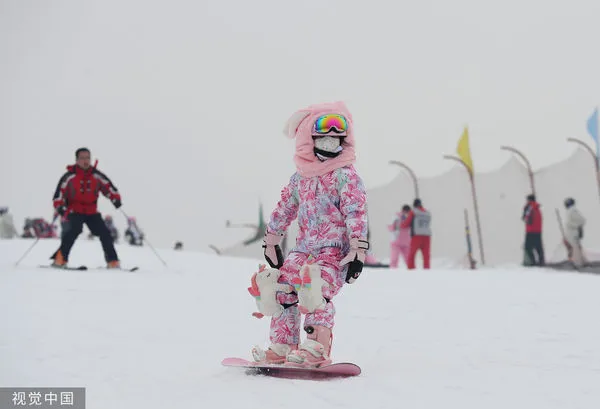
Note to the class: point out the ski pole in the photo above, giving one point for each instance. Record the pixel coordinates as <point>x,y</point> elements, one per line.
<point>34,243</point>
<point>147,242</point>
<point>27,252</point>
<point>564,237</point>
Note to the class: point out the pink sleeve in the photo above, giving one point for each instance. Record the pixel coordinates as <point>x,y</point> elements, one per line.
<point>394,225</point>
<point>287,208</point>
<point>353,203</point>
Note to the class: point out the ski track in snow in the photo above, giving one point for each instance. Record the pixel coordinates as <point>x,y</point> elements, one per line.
<point>491,338</point>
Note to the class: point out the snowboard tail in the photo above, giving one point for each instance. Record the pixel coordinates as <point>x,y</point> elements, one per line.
<point>334,370</point>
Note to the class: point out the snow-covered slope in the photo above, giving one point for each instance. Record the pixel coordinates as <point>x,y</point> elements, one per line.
<point>498,338</point>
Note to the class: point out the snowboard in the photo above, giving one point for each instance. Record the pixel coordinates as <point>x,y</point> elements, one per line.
<point>334,370</point>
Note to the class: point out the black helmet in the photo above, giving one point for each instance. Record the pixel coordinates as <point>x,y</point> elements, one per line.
<point>569,201</point>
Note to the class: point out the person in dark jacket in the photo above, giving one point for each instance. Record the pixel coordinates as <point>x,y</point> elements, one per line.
<point>532,216</point>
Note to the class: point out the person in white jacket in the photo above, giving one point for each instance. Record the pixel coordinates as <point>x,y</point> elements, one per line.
<point>7,225</point>
<point>574,232</point>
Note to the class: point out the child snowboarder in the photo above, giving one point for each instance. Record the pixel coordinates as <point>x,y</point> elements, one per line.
<point>328,197</point>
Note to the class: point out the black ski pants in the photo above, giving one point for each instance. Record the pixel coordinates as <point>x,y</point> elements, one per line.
<point>94,222</point>
<point>533,243</point>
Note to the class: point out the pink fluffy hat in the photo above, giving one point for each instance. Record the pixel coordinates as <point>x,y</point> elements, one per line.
<point>302,126</point>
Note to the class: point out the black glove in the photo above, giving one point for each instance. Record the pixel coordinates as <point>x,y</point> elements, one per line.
<point>279,255</point>
<point>354,269</point>
<point>273,253</point>
<point>61,210</point>
<point>358,252</point>
<point>116,203</point>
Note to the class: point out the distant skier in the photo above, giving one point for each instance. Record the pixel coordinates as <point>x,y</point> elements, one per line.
<point>532,216</point>
<point>574,232</point>
<point>134,235</point>
<point>28,232</point>
<point>328,197</point>
<point>7,224</point>
<point>38,228</point>
<point>178,246</point>
<point>76,198</point>
<point>419,222</point>
<point>110,225</point>
<point>400,243</point>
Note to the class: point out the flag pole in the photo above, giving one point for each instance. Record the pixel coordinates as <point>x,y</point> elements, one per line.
<point>527,164</point>
<point>411,173</point>
<point>472,263</point>
<point>475,206</point>
<point>596,159</point>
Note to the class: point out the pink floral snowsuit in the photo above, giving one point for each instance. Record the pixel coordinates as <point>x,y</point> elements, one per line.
<point>329,200</point>
<point>400,244</point>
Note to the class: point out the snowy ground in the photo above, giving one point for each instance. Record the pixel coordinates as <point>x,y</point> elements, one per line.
<point>484,339</point>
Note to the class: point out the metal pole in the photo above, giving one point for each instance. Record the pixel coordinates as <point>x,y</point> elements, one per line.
<point>527,163</point>
<point>468,237</point>
<point>411,173</point>
<point>27,252</point>
<point>215,249</point>
<point>146,241</point>
<point>240,225</point>
<point>475,205</point>
<point>596,159</point>
<point>35,242</point>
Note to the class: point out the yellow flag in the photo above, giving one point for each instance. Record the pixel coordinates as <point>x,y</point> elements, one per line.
<point>463,150</point>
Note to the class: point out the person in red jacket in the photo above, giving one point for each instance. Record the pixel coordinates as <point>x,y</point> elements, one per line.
<point>532,216</point>
<point>76,199</point>
<point>419,221</point>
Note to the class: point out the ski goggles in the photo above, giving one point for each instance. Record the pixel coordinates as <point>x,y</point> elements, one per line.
<point>330,122</point>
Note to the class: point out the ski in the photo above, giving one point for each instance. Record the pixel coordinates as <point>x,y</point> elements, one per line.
<point>85,268</point>
<point>76,268</point>
<point>128,269</point>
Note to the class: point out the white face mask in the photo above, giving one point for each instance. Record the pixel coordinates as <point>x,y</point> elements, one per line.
<point>328,144</point>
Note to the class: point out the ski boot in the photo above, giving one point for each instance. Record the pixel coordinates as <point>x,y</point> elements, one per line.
<point>276,354</point>
<point>315,351</point>
<point>59,260</point>
<point>113,264</point>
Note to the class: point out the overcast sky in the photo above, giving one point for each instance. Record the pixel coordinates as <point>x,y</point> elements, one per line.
<point>183,102</point>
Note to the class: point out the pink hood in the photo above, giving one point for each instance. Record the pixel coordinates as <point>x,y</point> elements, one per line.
<point>300,125</point>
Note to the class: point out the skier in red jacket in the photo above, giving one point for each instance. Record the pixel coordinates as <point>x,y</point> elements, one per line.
<point>419,221</point>
<point>76,198</point>
<point>532,216</point>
